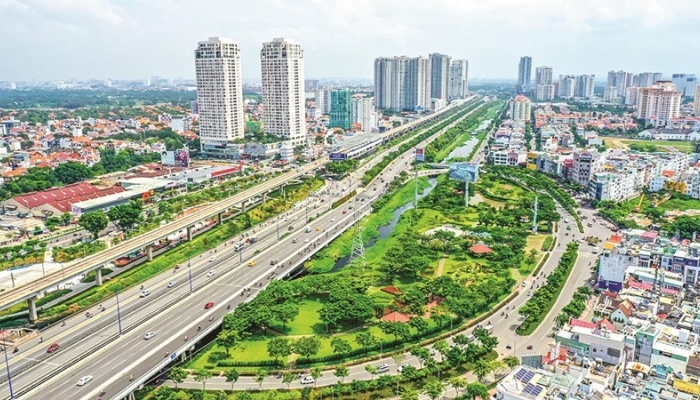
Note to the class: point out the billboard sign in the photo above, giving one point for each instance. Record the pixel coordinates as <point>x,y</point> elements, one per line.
<point>337,156</point>
<point>464,171</point>
<point>178,158</point>
<point>420,155</point>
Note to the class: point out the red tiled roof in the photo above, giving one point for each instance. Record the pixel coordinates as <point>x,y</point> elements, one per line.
<point>617,239</point>
<point>607,325</point>
<point>480,248</point>
<point>61,198</point>
<point>392,290</point>
<point>396,317</point>
<point>581,323</point>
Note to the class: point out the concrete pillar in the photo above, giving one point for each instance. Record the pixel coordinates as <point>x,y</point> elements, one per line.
<point>149,251</point>
<point>32,309</point>
<point>98,276</point>
<point>221,217</point>
<point>189,233</point>
<point>264,198</point>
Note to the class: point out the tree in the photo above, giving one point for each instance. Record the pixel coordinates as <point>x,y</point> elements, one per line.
<point>421,353</point>
<point>125,216</point>
<point>396,329</point>
<point>561,319</point>
<point>458,383</point>
<point>285,312</point>
<point>419,324</point>
<point>178,375</point>
<point>409,394</point>
<point>442,347</point>
<point>342,372</point>
<point>288,378</point>
<point>316,373</point>
<point>511,362</point>
<point>94,222</point>
<point>340,346</point>
<point>278,347</point>
<point>366,339</point>
<point>476,389</point>
<point>372,370</point>
<point>307,346</point>
<point>227,339</point>
<point>66,218</point>
<point>71,172</point>
<point>163,393</point>
<point>232,376</point>
<point>434,388</point>
<point>497,366</point>
<point>482,369</point>
<point>203,376</point>
<point>260,376</point>
<point>244,396</point>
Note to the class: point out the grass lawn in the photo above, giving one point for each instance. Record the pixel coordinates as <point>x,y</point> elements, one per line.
<point>479,198</point>
<point>535,242</point>
<point>308,321</point>
<point>685,147</point>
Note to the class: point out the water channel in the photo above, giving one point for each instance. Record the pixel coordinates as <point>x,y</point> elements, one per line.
<point>466,149</point>
<point>385,230</point>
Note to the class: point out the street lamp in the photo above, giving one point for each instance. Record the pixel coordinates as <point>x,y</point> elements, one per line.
<point>278,228</point>
<point>189,268</point>
<point>240,250</point>
<point>119,313</point>
<point>7,366</point>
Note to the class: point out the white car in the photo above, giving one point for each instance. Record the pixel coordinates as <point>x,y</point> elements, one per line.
<point>84,380</point>
<point>171,284</point>
<point>383,368</point>
<point>307,380</point>
<point>211,273</point>
<point>149,335</point>
<point>212,258</point>
<point>306,240</point>
<point>145,293</point>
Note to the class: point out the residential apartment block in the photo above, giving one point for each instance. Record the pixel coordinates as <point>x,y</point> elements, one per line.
<point>459,82</point>
<point>282,64</point>
<point>660,101</point>
<point>219,95</point>
<point>524,74</point>
<point>520,108</point>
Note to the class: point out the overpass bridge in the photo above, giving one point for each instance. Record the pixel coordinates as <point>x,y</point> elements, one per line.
<point>31,291</point>
<point>433,172</point>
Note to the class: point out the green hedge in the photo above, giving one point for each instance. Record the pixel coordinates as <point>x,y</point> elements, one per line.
<point>548,243</point>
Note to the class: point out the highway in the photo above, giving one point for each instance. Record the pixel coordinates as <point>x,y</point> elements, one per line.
<point>224,288</point>
<point>504,328</point>
<point>12,296</point>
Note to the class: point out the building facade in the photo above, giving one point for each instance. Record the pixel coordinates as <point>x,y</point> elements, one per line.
<point>439,75</point>
<point>459,79</point>
<point>524,73</point>
<point>219,95</point>
<point>362,113</point>
<point>661,101</point>
<point>567,86</point>
<point>520,108</point>
<point>340,109</point>
<point>284,97</point>
<point>584,86</point>
<point>402,83</point>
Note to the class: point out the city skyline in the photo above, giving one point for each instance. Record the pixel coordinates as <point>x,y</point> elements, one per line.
<point>122,40</point>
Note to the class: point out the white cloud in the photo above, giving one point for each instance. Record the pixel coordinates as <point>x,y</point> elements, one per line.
<point>138,38</point>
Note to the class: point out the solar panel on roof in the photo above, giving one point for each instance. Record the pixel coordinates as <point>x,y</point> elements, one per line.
<point>532,390</point>
<point>520,374</point>
<point>528,376</point>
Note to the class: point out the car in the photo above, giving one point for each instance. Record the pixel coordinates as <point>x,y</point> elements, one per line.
<point>209,305</point>
<point>149,335</point>
<point>345,211</point>
<point>145,293</point>
<point>383,368</point>
<point>84,380</point>
<point>52,348</point>
<point>171,284</point>
<point>295,240</point>
<point>211,273</point>
<point>212,258</point>
<point>306,240</point>
<point>251,263</point>
<point>273,262</point>
<point>307,380</point>
<point>332,219</point>
<point>291,228</point>
<point>403,366</point>
<point>590,225</point>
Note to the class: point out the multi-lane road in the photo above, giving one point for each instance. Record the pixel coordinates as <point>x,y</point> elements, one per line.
<point>12,296</point>
<point>503,327</point>
<point>112,362</point>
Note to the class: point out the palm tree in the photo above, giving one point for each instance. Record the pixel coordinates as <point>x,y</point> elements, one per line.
<point>511,362</point>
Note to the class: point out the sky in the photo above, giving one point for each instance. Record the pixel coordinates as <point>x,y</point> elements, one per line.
<point>135,39</point>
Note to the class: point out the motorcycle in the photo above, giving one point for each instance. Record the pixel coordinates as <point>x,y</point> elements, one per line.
<point>186,338</point>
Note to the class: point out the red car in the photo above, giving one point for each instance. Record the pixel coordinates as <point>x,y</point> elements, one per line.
<point>52,348</point>
<point>208,305</point>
